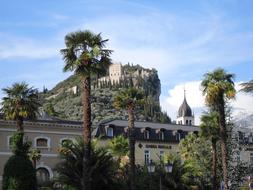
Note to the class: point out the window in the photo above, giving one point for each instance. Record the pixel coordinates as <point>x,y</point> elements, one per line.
<point>251,157</point>
<point>42,142</point>
<point>109,132</point>
<point>42,175</point>
<point>186,121</point>
<point>9,141</point>
<point>161,135</point>
<point>190,122</point>
<point>65,140</point>
<point>178,136</point>
<point>146,134</point>
<point>147,157</point>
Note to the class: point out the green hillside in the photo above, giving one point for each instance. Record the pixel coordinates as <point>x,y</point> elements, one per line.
<point>64,100</point>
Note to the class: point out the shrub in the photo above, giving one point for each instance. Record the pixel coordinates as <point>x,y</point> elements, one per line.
<point>19,174</point>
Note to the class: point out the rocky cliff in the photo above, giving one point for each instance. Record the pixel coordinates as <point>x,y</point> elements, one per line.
<point>64,100</point>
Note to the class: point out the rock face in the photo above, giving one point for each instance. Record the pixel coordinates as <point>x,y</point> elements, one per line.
<point>64,100</point>
<point>244,120</point>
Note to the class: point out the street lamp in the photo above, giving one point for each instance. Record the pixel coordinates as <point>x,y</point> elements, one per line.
<point>151,167</point>
<point>167,167</point>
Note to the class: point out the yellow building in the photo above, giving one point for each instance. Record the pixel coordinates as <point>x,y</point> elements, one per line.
<point>153,140</point>
<point>45,135</point>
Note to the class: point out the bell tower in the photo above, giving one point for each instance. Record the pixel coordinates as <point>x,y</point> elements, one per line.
<point>185,115</point>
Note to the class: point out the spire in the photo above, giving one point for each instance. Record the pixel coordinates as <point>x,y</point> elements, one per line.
<point>184,93</point>
<point>184,109</point>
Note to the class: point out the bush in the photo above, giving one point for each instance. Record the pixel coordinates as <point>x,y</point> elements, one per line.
<point>19,174</point>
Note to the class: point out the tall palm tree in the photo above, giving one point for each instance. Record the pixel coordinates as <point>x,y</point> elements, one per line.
<point>85,55</point>
<point>210,130</point>
<point>218,87</point>
<point>20,102</point>
<point>128,99</point>
<point>247,86</point>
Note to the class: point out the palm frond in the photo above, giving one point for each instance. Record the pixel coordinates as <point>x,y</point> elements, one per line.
<point>20,101</point>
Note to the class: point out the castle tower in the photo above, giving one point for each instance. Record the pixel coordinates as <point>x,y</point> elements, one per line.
<point>185,115</point>
<point>115,72</point>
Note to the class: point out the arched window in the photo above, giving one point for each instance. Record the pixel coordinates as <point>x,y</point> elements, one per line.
<point>186,122</point>
<point>190,122</point>
<point>42,175</point>
<point>65,140</point>
<point>42,142</point>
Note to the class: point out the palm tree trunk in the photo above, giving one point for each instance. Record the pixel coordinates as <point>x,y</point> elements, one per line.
<point>34,163</point>
<point>223,135</point>
<point>86,183</point>
<point>131,146</point>
<point>20,122</point>
<point>214,165</point>
<point>20,128</point>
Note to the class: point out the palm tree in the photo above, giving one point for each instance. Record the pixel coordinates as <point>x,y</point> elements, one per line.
<point>35,156</point>
<point>85,55</point>
<point>128,99</point>
<point>20,102</point>
<point>119,147</point>
<point>218,87</point>
<point>247,86</point>
<point>210,130</point>
<point>70,173</point>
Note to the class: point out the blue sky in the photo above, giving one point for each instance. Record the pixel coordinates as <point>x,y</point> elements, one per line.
<point>181,39</point>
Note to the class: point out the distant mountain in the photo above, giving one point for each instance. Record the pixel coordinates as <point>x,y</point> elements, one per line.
<point>64,100</point>
<point>244,120</point>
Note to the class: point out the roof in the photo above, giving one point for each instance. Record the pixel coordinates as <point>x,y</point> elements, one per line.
<point>43,117</point>
<point>153,125</point>
<point>184,109</point>
<point>170,131</point>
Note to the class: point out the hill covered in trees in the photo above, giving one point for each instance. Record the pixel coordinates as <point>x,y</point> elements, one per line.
<point>64,100</point>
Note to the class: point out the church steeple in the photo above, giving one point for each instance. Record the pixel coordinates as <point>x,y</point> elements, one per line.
<point>185,116</point>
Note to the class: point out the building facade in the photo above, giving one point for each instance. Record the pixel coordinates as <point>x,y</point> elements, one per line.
<point>153,140</point>
<point>45,135</point>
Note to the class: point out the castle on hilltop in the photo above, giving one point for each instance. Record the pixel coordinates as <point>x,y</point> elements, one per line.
<point>117,74</point>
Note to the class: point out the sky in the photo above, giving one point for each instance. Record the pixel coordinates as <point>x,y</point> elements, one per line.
<point>181,39</point>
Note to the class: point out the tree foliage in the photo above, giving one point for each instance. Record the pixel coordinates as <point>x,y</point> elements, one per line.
<point>85,54</point>
<point>19,173</point>
<point>196,153</point>
<point>101,168</point>
<point>218,88</point>
<point>20,102</point>
<point>129,98</point>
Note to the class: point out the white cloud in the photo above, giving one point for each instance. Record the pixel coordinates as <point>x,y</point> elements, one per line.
<point>170,102</point>
<point>173,44</point>
<point>13,47</point>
